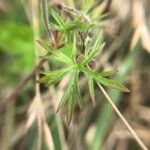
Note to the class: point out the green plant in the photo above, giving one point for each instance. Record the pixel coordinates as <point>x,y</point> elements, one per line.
<point>76,61</point>
<point>77,51</point>
<point>74,50</point>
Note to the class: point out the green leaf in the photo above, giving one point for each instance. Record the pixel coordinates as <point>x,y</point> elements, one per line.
<point>74,50</point>
<point>57,18</point>
<point>107,82</point>
<point>67,50</point>
<point>79,25</point>
<point>57,54</point>
<point>111,83</point>
<point>71,96</point>
<point>76,90</point>
<point>65,97</point>
<point>61,57</point>
<point>107,73</point>
<point>89,73</point>
<point>66,94</point>
<point>55,27</point>
<point>76,25</point>
<point>98,46</point>
<point>70,106</point>
<point>53,76</point>
<point>91,90</point>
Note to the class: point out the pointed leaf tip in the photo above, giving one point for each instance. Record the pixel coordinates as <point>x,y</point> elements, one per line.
<point>91,90</point>
<point>126,90</point>
<point>64,98</point>
<point>107,73</point>
<point>70,109</point>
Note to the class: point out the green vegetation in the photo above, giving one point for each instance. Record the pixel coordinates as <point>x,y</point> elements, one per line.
<point>55,59</point>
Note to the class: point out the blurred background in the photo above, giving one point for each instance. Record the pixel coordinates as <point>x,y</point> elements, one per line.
<point>28,121</point>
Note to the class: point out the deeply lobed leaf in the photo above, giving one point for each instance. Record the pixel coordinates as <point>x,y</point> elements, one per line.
<point>68,54</point>
<point>111,83</point>
<point>104,81</point>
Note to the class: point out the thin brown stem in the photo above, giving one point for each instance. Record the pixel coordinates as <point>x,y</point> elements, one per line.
<point>135,136</point>
<point>18,89</point>
<point>75,11</point>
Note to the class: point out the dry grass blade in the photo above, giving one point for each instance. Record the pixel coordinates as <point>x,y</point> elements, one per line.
<point>36,110</point>
<point>139,23</point>
<point>138,140</point>
<point>48,136</point>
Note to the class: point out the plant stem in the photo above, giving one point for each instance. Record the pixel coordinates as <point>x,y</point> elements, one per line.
<point>44,9</point>
<point>135,136</point>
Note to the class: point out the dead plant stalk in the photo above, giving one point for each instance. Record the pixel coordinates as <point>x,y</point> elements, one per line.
<point>135,136</point>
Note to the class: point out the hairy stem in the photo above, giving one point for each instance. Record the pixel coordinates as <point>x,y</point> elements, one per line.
<point>44,9</point>
<point>135,136</point>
